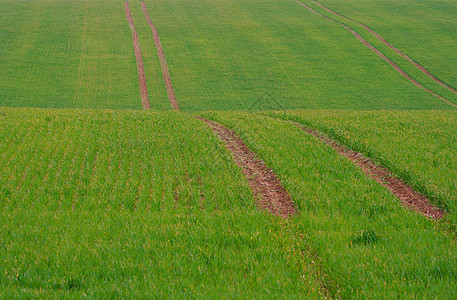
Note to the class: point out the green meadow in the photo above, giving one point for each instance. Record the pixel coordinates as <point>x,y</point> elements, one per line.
<point>101,199</point>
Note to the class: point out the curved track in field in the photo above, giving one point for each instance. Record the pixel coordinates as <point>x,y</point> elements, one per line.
<point>265,185</point>
<point>383,40</point>
<point>394,65</point>
<point>139,60</point>
<point>163,61</point>
<point>408,196</point>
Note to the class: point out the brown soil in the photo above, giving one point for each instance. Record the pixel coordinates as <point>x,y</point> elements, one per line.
<point>395,66</point>
<point>163,61</point>
<point>139,60</point>
<point>408,196</point>
<point>379,37</point>
<point>265,185</point>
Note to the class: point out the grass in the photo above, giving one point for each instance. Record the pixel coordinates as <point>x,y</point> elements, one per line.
<point>227,55</point>
<point>418,28</point>
<point>403,24</point>
<point>127,203</point>
<point>364,240</point>
<point>223,55</point>
<point>418,146</point>
<point>107,201</point>
<point>67,54</point>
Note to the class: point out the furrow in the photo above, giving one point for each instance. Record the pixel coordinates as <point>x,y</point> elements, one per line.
<point>139,60</point>
<point>407,195</point>
<point>394,65</point>
<point>162,59</point>
<point>264,184</point>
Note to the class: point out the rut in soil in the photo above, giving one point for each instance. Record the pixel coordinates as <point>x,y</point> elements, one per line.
<point>163,61</point>
<point>139,59</point>
<point>264,184</point>
<point>384,41</point>
<point>407,195</point>
<point>372,48</point>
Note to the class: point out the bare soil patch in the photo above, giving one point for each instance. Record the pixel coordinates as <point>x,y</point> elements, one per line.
<point>163,61</point>
<point>408,196</point>
<point>264,184</point>
<point>383,40</point>
<point>395,66</point>
<point>139,60</point>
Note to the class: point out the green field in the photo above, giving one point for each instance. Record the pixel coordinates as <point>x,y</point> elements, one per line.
<point>101,199</point>
<point>72,54</point>
<point>135,209</point>
<point>419,28</point>
<point>365,241</point>
<point>227,55</point>
<point>417,145</point>
<point>412,27</point>
<point>223,55</point>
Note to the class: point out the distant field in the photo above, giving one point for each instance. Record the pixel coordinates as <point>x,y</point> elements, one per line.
<point>71,54</point>
<point>425,30</point>
<point>222,55</point>
<point>229,55</point>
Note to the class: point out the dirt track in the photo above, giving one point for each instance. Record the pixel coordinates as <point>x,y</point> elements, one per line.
<point>139,60</point>
<point>163,61</point>
<point>379,37</point>
<point>408,196</point>
<point>395,66</point>
<point>264,183</point>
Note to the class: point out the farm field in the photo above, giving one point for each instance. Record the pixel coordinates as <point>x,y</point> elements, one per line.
<point>365,240</point>
<point>417,145</point>
<point>222,55</point>
<point>135,209</point>
<point>71,54</point>
<point>222,149</point>
<point>232,54</point>
<point>164,195</point>
<point>425,30</point>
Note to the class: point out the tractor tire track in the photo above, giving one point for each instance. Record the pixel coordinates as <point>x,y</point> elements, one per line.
<point>139,60</point>
<point>264,184</point>
<point>395,66</point>
<point>402,54</point>
<point>407,195</point>
<point>163,61</point>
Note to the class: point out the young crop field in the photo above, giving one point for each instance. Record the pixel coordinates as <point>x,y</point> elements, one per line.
<point>70,54</point>
<point>227,55</point>
<point>420,146</point>
<point>425,30</point>
<point>134,209</point>
<point>364,239</point>
<point>228,149</point>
